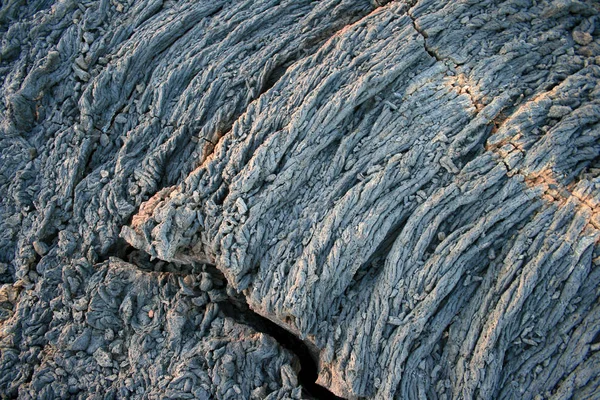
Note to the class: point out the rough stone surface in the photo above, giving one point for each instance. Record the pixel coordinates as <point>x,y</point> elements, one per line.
<point>412,188</point>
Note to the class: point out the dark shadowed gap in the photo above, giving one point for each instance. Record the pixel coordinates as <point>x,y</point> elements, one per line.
<point>596,338</point>
<point>237,309</point>
<point>274,76</point>
<point>307,377</point>
<point>142,260</point>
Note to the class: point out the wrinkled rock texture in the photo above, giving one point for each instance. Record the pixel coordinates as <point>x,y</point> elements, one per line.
<point>412,188</point>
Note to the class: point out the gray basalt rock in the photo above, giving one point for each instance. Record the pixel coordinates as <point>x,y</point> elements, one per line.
<point>410,188</point>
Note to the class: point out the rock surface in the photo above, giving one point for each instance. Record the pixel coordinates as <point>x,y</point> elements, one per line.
<point>412,188</point>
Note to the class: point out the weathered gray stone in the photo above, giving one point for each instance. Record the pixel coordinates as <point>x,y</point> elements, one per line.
<point>409,187</point>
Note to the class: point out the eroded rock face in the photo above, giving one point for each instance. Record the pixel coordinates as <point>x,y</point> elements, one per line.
<point>411,188</point>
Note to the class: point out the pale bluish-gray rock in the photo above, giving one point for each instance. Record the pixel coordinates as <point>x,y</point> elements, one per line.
<point>409,187</point>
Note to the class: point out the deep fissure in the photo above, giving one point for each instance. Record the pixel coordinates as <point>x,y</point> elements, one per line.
<point>237,309</point>
<point>308,374</point>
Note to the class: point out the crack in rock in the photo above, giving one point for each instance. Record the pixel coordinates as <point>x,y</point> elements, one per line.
<point>233,306</point>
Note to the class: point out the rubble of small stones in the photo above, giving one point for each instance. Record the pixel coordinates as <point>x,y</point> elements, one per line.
<point>411,188</point>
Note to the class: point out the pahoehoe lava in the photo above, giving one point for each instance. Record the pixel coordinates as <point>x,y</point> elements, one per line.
<point>209,199</point>
<point>307,375</point>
